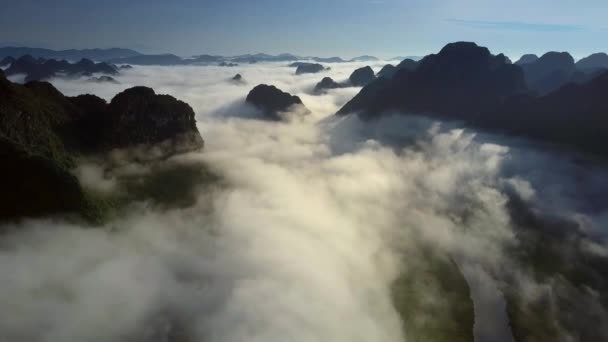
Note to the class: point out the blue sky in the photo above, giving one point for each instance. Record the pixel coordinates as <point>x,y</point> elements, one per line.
<point>346,28</point>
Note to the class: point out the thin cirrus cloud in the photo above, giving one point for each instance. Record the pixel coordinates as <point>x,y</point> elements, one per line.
<point>517,26</point>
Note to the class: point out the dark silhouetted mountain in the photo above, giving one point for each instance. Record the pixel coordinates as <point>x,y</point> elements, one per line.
<point>399,58</point>
<point>465,82</point>
<point>593,62</point>
<point>549,72</point>
<point>103,79</point>
<point>42,132</point>
<point>309,68</point>
<point>462,78</point>
<point>328,59</point>
<point>71,55</point>
<point>272,101</point>
<point>126,67</point>
<point>262,57</point>
<point>205,59</point>
<point>227,64</point>
<point>249,60</point>
<point>286,57</point>
<point>164,59</point>
<point>362,77</point>
<point>407,64</point>
<point>24,65</point>
<point>139,116</point>
<point>237,78</point>
<point>365,58</point>
<point>122,56</point>
<point>387,71</point>
<point>297,64</point>
<point>87,66</point>
<point>7,61</point>
<point>39,69</point>
<point>325,84</point>
<point>525,59</point>
<point>34,177</point>
<point>573,115</point>
<point>34,186</point>
<point>359,78</point>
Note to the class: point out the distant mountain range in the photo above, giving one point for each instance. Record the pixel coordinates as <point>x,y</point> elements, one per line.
<point>128,56</point>
<point>72,54</point>
<point>37,69</point>
<point>169,59</point>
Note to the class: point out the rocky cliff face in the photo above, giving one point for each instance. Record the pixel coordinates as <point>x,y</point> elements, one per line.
<point>309,68</point>
<point>139,116</point>
<point>462,78</point>
<point>549,72</point>
<point>387,71</point>
<point>42,133</point>
<point>362,77</point>
<point>325,84</point>
<point>527,58</point>
<point>272,101</point>
<point>465,82</point>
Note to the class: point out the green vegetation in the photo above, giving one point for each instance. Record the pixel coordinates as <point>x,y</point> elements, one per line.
<point>174,186</point>
<point>165,187</point>
<point>43,133</point>
<point>433,299</point>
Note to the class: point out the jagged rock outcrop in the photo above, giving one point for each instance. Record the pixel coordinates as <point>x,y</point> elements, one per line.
<point>408,64</point>
<point>573,115</point>
<point>35,186</point>
<point>593,62</point>
<point>27,65</point>
<point>40,69</point>
<point>390,70</point>
<point>309,68</point>
<point>462,78</point>
<point>362,76</point>
<point>42,132</point>
<point>297,64</point>
<point>325,84</point>
<point>465,82</point>
<point>104,79</point>
<point>527,58</point>
<point>33,146</point>
<point>387,71</point>
<point>273,102</point>
<point>549,72</point>
<point>140,116</point>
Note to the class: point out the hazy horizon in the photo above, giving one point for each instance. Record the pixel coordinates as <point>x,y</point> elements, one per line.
<point>345,28</point>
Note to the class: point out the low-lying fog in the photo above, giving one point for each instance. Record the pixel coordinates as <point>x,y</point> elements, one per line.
<point>318,218</point>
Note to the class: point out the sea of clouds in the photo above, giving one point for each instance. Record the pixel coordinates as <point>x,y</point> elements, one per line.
<point>305,240</point>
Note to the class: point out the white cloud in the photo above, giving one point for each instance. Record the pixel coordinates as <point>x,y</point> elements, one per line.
<point>304,242</point>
